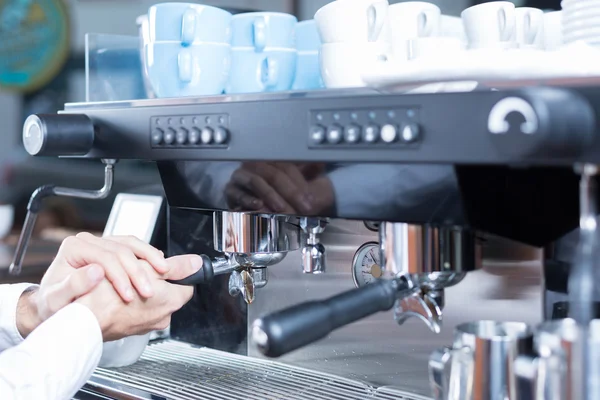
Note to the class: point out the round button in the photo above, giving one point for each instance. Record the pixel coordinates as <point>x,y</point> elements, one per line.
<point>33,137</point>
<point>194,136</point>
<point>352,133</point>
<point>169,136</point>
<point>389,133</point>
<point>334,134</point>
<point>221,135</point>
<point>157,136</point>
<point>317,134</point>
<point>371,134</point>
<point>410,133</point>
<point>206,136</point>
<point>181,136</point>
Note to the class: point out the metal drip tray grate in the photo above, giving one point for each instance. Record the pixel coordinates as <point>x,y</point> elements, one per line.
<point>178,371</point>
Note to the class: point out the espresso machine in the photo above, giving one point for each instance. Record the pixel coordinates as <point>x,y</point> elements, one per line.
<point>342,233</point>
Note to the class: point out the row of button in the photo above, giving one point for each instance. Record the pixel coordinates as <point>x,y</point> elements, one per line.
<point>352,134</point>
<point>192,136</point>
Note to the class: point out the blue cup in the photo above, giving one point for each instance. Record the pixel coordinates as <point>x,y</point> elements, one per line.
<point>267,71</point>
<point>188,23</point>
<point>195,70</point>
<point>308,72</point>
<point>307,36</point>
<point>263,30</point>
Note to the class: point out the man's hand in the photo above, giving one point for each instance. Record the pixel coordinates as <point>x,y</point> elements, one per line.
<point>118,319</point>
<point>82,262</point>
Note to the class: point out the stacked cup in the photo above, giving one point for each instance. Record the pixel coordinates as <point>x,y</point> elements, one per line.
<point>187,51</point>
<point>354,34</point>
<point>491,25</point>
<point>579,21</point>
<point>263,52</point>
<point>308,71</point>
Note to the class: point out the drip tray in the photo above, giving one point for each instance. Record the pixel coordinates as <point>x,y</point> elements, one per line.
<point>172,370</point>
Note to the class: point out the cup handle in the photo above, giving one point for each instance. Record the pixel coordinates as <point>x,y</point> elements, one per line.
<point>188,26</point>
<point>461,374</point>
<point>376,16</point>
<point>506,19</point>
<point>270,71</point>
<point>184,66</point>
<point>259,29</point>
<point>425,23</point>
<point>439,372</point>
<point>533,27</point>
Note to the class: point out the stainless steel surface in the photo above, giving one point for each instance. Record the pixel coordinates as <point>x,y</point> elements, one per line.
<point>434,257</point>
<point>376,349</point>
<point>177,371</point>
<point>40,193</point>
<point>555,374</point>
<point>420,305</point>
<point>250,233</point>
<point>480,363</point>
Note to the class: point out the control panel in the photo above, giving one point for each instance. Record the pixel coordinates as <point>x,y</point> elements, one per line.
<point>360,128</point>
<point>190,131</point>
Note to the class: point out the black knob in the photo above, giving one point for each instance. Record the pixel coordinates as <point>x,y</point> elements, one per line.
<point>542,122</point>
<point>202,276</point>
<point>58,134</point>
<point>303,324</point>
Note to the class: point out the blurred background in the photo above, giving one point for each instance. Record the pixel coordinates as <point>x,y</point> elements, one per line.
<point>64,81</point>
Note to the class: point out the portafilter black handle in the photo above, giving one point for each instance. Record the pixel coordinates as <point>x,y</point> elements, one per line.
<point>300,325</point>
<point>202,276</point>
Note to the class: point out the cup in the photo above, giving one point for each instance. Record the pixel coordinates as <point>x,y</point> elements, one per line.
<point>411,20</point>
<point>553,36</point>
<point>263,29</point>
<point>342,64</point>
<point>432,47</point>
<point>490,25</point>
<point>7,214</point>
<point>188,23</point>
<point>451,26</point>
<point>307,36</point>
<point>356,21</point>
<point>480,363</point>
<point>308,72</point>
<point>123,352</point>
<point>555,373</point>
<point>267,71</point>
<point>144,33</point>
<point>529,27</point>
<point>199,69</point>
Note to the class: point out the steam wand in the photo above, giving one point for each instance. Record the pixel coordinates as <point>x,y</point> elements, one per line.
<point>35,205</point>
<point>581,279</point>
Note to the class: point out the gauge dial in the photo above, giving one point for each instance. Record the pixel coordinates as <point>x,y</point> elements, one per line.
<point>366,267</point>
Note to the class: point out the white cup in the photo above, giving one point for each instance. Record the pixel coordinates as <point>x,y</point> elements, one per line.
<point>357,21</point>
<point>7,214</point>
<point>553,35</point>
<point>411,20</point>
<point>342,64</point>
<point>451,26</point>
<point>123,352</point>
<point>490,25</point>
<point>434,47</point>
<point>530,27</point>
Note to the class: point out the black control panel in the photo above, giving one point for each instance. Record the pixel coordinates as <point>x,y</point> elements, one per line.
<point>211,130</point>
<point>365,128</point>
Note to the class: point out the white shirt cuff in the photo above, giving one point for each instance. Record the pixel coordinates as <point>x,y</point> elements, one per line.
<point>9,299</point>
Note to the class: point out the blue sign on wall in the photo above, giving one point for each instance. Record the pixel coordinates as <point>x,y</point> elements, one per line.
<point>34,42</point>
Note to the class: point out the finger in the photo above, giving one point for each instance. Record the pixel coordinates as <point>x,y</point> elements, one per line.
<point>77,284</point>
<point>143,250</point>
<point>285,185</point>
<point>238,198</point>
<point>78,253</point>
<point>138,247</point>
<point>259,187</point>
<point>183,266</point>
<point>179,296</point>
<point>127,262</point>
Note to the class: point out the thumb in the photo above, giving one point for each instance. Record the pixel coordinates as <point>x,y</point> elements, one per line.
<point>77,284</point>
<point>183,266</point>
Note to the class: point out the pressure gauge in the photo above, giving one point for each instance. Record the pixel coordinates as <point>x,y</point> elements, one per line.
<point>366,267</point>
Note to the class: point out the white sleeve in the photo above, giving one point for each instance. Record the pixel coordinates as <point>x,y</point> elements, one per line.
<point>55,360</point>
<point>9,298</point>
